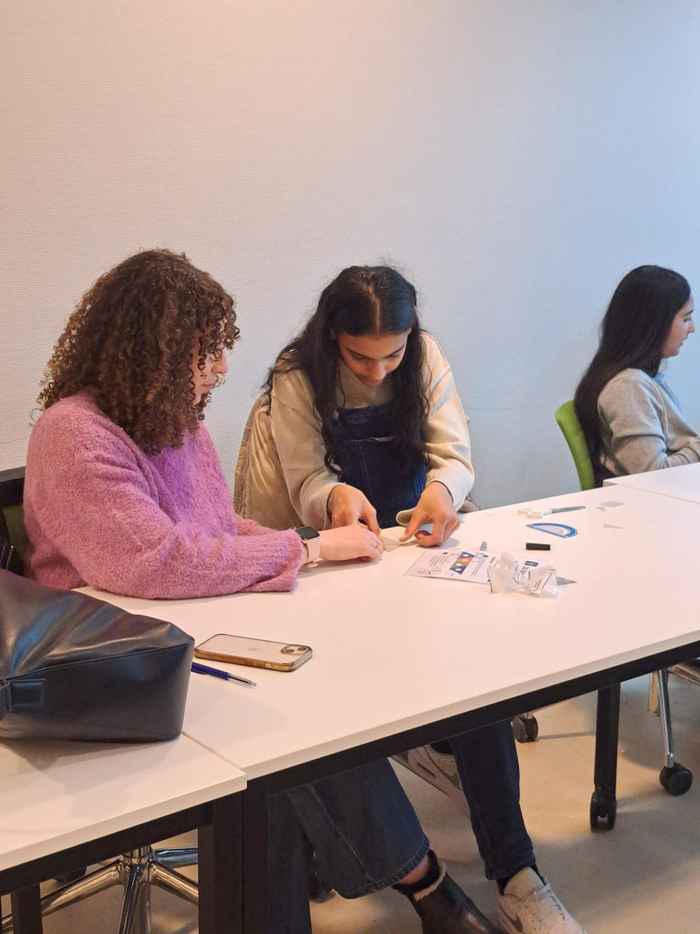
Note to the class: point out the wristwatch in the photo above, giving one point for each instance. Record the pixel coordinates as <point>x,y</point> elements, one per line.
<point>311,540</point>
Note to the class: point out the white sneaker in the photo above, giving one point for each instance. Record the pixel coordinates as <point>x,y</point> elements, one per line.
<point>438,769</point>
<point>529,906</point>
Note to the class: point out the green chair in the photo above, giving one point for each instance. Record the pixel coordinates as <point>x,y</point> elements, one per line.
<point>567,419</point>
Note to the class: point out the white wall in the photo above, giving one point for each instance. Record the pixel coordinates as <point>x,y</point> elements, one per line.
<point>514,159</point>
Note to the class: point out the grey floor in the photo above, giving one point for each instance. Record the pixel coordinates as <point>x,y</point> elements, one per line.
<point>640,878</point>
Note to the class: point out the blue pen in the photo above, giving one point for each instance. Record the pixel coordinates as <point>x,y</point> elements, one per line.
<point>218,673</point>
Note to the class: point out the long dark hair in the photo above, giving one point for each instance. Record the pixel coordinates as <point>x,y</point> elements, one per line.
<point>363,300</point>
<point>130,341</point>
<point>635,326</point>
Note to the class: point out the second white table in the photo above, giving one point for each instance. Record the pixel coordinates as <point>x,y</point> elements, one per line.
<point>677,482</point>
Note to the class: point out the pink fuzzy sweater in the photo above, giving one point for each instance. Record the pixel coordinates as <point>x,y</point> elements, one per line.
<point>99,511</point>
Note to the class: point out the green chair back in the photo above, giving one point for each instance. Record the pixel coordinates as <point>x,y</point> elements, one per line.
<point>567,419</point>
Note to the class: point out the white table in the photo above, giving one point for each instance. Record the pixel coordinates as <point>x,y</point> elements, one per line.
<point>375,631</point>
<point>400,661</point>
<point>57,795</point>
<point>65,805</point>
<point>677,482</point>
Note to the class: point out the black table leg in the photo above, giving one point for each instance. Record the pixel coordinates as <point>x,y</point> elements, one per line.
<point>604,801</point>
<point>255,858</point>
<point>221,869</point>
<point>26,910</point>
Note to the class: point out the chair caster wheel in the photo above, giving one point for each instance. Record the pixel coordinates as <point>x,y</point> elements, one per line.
<point>676,779</point>
<point>525,729</point>
<point>603,811</point>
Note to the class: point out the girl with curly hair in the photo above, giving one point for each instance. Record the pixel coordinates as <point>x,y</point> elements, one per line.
<point>124,492</point>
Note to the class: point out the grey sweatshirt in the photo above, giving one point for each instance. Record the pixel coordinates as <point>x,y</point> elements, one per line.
<point>642,427</point>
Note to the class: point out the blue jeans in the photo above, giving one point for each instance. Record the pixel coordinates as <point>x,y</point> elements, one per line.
<point>364,832</point>
<point>488,768</point>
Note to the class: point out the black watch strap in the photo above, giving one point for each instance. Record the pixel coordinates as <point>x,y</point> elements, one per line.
<point>305,532</point>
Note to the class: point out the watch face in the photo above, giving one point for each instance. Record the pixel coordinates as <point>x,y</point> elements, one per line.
<point>306,532</point>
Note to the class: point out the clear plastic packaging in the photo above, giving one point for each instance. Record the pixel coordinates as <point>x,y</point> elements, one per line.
<point>506,575</point>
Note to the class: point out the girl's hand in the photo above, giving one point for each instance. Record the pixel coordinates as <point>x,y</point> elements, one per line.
<point>435,506</point>
<point>347,506</point>
<point>348,542</point>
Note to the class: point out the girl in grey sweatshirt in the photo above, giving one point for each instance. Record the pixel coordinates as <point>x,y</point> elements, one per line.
<point>631,419</point>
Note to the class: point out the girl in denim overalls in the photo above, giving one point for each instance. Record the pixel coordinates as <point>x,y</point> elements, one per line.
<point>360,421</point>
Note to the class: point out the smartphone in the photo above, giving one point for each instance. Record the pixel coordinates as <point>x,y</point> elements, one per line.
<point>259,653</point>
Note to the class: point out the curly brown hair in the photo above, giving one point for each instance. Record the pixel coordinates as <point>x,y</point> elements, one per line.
<point>131,341</point>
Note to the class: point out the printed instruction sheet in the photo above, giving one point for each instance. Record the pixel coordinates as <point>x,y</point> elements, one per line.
<point>459,565</point>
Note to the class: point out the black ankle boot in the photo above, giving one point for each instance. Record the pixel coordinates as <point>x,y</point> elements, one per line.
<point>445,909</point>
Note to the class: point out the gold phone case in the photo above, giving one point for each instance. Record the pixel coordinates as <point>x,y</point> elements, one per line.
<point>234,659</point>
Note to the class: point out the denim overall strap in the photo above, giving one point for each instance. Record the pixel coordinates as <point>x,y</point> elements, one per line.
<point>368,459</point>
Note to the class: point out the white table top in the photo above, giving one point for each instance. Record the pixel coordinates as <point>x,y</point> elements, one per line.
<point>58,794</point>
<point>395,652</point>
<point>678,482</point>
